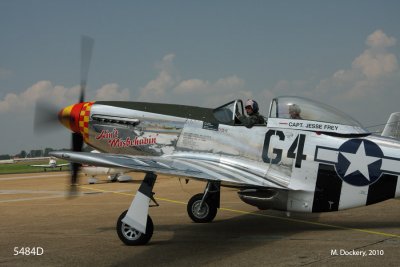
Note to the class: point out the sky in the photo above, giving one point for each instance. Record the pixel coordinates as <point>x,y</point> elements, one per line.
<point>202,53</point>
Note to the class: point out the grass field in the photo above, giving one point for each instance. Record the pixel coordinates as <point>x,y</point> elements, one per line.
<point>24,167</point>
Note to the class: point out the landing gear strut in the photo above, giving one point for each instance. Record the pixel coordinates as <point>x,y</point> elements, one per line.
<point>202,208</point>
<point>135,226</point>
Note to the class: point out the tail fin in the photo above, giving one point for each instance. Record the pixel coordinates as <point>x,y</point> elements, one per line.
<point>392,127</point>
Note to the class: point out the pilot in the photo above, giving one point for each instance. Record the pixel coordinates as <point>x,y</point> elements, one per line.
<point>294,111</point>
<point>254,117</point>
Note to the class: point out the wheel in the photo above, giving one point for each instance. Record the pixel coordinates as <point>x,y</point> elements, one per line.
<point>92,180</point>
<point>132,237</point>
<point>113,178</point>
<point>205,214</point>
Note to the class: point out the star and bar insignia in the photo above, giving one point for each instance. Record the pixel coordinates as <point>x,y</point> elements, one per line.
<point>358,162</point>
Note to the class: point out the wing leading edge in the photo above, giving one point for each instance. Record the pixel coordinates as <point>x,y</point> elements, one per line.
<point>228,171</point>
<point>50,166</point>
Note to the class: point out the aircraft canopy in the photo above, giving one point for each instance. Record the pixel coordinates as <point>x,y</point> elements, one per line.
<point>302,109</point>
<point>296,113</point>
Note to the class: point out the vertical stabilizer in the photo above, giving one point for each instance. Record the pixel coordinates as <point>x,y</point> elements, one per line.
<point>392,128</point>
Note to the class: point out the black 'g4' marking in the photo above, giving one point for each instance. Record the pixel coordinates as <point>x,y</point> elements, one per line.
<point>299,144</point>
<point>295,151</point>
<point>277,152</point>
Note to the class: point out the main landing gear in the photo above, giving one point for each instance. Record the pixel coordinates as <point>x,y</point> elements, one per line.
<point>202,208</point>
<point>132,237</point>
<point>135,226</point>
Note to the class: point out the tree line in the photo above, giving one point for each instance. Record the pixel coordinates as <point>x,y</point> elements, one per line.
<point>34,153</point>
<point>37,153</point>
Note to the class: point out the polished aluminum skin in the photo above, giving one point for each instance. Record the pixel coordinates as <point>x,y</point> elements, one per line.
<point>280,163</point>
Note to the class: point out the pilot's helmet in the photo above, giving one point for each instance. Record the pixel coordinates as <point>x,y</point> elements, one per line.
<point>253,104</point>
<point>294,108</point>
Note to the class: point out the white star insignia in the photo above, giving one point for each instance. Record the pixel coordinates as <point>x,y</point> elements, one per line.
<point>359,161</point>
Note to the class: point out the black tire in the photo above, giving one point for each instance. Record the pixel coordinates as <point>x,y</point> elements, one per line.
<point>130,236</point>
<point>114,178</point>
<point>206,214</point>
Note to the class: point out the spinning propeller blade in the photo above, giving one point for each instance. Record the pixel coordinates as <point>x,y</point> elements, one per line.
<point>87,44</point>
<point>48,116</point>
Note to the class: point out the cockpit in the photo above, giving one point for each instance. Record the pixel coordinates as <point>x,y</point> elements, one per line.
<point>295,113</point>
<point>231,112</point>
<point>227,114</point>
<point>302,108</point>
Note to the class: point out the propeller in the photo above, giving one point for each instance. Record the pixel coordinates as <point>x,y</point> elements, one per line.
<point>87,44</point>
<point>46,117</point>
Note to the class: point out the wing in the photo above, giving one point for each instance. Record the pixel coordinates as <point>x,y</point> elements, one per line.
<point>43,166</point>
<point>63,164</point>
<point>227,170</point>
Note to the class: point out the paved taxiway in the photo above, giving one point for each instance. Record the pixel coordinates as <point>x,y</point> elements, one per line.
<point>81,231</point>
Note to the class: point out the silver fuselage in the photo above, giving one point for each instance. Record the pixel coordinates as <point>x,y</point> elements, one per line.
<point>311,175</point>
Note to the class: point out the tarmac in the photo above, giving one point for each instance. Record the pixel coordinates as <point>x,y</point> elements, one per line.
<point>35,214</point>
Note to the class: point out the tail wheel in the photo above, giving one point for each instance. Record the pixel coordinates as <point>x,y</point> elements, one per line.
<point>204,214</point>
<point>132,237</point>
